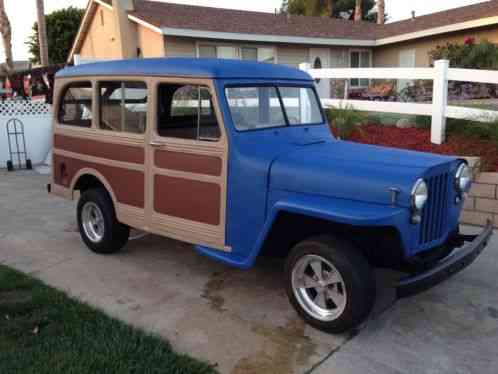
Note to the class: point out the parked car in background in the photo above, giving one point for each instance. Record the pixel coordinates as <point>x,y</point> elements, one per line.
<point>236,158</point>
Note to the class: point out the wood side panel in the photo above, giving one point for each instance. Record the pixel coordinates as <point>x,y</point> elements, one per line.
<point>128,185</point>
<point>117,152</point>
<point>187,162</point>
<point>188,199</point>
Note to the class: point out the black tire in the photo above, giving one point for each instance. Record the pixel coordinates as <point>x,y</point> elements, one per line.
<point>29,165</point>
<point>115,234</point>
<point>356,274</point>
<point>10,166</point>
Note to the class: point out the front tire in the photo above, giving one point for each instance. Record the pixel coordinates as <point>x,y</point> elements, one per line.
<point>329,283</point>
<point>97,222</point>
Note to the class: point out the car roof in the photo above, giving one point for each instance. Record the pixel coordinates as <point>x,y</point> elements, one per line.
<point>187,67</point>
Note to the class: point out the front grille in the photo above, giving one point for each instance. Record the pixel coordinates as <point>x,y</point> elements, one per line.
<point>435,212</point>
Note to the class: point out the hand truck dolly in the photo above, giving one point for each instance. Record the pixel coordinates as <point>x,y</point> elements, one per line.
<point>15,137</point>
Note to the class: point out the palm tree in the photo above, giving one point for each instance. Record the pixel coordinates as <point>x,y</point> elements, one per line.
<point>358,11</point>
<point>330,8</point>
<point>6,32</point>
<point>381,10</point>
<point>42,33</point>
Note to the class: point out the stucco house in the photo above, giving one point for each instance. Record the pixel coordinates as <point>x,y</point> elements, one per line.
<point>138,28</point>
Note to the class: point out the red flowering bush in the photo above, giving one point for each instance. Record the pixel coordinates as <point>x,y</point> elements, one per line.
<point>418,139</point>
<point>469,40</point>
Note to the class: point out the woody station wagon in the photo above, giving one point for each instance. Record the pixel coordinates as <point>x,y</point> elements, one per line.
<point>236,158</point>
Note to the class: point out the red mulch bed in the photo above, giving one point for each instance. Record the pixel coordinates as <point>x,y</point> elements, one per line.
<point>419,140</point>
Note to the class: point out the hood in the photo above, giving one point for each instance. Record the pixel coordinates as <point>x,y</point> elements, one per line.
<point>353,171</point>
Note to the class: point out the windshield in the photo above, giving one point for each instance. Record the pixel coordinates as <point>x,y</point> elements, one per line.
<point>261,107</point>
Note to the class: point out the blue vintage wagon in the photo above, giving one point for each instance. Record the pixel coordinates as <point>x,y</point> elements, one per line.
<point>237,158</point>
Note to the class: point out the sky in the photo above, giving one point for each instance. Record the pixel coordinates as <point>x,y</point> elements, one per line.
<point>23,16</point>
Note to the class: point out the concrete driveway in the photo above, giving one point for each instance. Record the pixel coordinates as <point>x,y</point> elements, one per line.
<point>241,320</point>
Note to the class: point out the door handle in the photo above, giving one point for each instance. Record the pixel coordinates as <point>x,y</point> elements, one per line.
<point>155,144</point>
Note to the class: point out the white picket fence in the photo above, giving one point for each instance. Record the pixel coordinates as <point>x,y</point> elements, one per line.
<point>439,109</point>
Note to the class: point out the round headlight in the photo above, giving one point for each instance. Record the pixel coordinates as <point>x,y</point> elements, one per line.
<point>419,195</point>
<point>463,178</point>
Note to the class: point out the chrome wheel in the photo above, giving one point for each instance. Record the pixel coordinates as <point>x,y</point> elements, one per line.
<point>92,221</point>
<point>319,288</point>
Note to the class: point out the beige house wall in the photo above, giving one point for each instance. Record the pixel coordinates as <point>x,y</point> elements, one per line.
<point>100,39</point>
<point>388,56</point>
<point>151,43</point>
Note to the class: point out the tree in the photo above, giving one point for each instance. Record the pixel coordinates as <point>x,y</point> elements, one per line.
<point>6,32</point>
<point>62,27</point>
<point>340,8</point>
<point>358,16</point>
<point>381,10</point>
<point>42,32</point>
<point>330,8</point>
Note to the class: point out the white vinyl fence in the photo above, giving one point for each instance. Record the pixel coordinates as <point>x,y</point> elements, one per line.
<point>37,119</point>
<point>439,109</point>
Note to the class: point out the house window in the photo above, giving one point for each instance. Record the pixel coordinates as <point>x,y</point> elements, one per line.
<point>266,55</point>
<point>262,54</point>
<point>207,51</point>
<point>186,112</point>
<point>248,53</point>
<point>123,106</point>
<point>360,59</point>
<point>226,52</point>
<point>76,105</point>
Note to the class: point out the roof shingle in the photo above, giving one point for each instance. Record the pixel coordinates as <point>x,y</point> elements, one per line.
<point>181,16</point>
<point>439,19</point>
<point>236,21</point>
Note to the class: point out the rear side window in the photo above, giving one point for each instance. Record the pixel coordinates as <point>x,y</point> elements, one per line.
<point>123,106</point>
<point>76,105</point>
<point>186,112</point>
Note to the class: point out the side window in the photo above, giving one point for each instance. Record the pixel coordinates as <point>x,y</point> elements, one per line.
<point>123,106</point>
<point>186,112</point>
<point>255,108</point>
<point>75,108</point>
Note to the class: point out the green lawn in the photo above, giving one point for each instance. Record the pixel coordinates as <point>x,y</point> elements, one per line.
<point>44,331</point>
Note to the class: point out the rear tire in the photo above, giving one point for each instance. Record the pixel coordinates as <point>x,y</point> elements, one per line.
<point>97,222</point>
<point>329,283</point>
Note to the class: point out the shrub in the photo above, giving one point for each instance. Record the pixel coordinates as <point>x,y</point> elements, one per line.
<point>423,122</point>
<point>473,128</point>
<point>469,55</point>
<point>343,120</point>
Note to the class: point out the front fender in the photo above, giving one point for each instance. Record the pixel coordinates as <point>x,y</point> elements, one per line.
<point>343,211</point>
<point>350,212</point>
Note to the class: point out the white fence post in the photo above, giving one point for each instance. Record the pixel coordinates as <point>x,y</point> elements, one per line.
<point>439,101</point>
<point>305,66</point>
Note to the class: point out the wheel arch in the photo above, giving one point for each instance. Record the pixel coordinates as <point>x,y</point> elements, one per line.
<point>287,226</point>
<point>83,177</point>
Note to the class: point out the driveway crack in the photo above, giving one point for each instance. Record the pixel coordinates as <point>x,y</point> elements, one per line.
<point>351,335</point>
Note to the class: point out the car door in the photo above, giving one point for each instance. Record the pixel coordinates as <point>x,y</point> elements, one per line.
<point>187,163</point>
